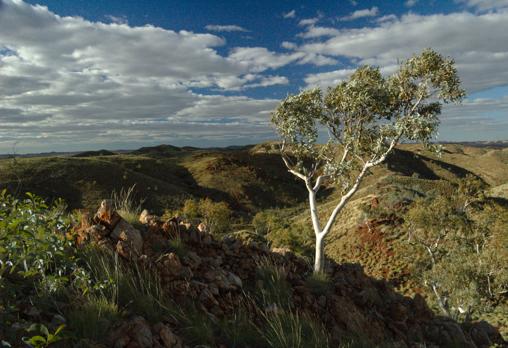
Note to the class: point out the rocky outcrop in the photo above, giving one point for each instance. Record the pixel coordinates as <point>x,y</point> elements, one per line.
<point>138,333</point>
<point>214,274</point>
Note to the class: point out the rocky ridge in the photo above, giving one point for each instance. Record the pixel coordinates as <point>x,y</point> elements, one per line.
<point>217,274</point>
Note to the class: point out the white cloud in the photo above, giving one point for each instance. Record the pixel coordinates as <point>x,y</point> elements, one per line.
<point>225,28</point>
<point>410,3</point>
<point>477,43</point>
<point>386,19</point>
<point>117,19</point>
<point>288,45</point>
<point>69,83</point>
<point>369,12</point>
<point>290,14</point>
<point>314,32</point>
<point>259,58</point>
<point>309,21</point>
<point>485,5</point>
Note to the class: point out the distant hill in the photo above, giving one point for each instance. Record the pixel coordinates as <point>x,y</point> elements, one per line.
<point>95,153</point>
<point>160,150</point>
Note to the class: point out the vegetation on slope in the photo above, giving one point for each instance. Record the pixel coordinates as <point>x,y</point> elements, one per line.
<point>56,294</point>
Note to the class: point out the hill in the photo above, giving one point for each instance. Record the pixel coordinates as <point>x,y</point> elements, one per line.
<point>163,177</point>
<point>168,284</point>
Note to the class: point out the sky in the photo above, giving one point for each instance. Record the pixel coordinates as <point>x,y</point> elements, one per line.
<point>121,74</point>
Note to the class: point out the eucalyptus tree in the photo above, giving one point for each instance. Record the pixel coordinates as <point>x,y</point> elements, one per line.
<point>363,119</point>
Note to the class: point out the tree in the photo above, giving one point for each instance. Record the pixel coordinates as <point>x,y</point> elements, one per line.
<point>458,250</point>
<point>363,119</point>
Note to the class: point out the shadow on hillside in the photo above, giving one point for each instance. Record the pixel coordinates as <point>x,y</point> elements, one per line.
<point>407,163</point>
<point>383,312</point>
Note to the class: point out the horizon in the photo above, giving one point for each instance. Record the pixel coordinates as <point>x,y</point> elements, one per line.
<point>85,76</point>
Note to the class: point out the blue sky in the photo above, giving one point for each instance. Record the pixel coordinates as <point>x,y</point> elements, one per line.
<point>78,75</point>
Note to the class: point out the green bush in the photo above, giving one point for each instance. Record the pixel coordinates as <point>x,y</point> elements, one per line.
<point>215,215</point>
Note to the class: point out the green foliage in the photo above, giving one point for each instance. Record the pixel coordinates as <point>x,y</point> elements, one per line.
<point>125,285</point>
<point>94,318</point>
<point>197,326</point>
<point>127,205</point>
<point>291,329</point>
<point>456,253</point>
<point>273,288</point>
<point>46,338</point>
<point>319,283</point>
<point>364,115</point>
<point>240,330</point>
<point>283,231</point>
<point>215,215</point>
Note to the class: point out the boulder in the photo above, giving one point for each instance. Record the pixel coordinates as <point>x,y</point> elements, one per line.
<point>167,337</point>
<point>129,239</point>
<point>135,332</point>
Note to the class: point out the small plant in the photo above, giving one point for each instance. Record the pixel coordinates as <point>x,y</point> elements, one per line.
<point>177,246</point>
<point>126,204</point>
<point>291,329</point>
<point>273,288</point>
<point>319,283</point>
<point>198,326</point>
<point>45,338</point>
<point>93,319</point>
<point>215,215</point>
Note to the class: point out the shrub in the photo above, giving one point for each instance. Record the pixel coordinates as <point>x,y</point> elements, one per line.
<point>127,205</point>
<point>273,288</point>
<point>93,318</point>
<point>319,283</point>
<point>215,215</point>
<point>292,329</point>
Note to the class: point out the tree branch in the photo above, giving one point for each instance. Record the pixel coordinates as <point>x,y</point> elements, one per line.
<point>288,165</point>
<point>345,199</point>
<point>319,182</point>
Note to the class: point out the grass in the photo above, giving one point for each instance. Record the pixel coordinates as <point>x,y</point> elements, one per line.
<point>127,205</point>
<point>319,283</point>
<point>292,329</point>
<point>273,288</point>
<point>93,319</point>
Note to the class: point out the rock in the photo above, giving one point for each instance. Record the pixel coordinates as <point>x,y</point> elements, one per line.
<point>282,251</point>
<point>141,332</point>
<point>105,211</point>
<point>168,338</point>
<point>131,334</point>
<point>130,239</point>
<point>143,217</point>
<point>148,219</point>
<point>106,215</point>
<point>234,279</point>
<point>172,264</point>
<point>192,259</point>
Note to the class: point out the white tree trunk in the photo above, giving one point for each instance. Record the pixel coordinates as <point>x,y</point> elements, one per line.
<point>319,259</point>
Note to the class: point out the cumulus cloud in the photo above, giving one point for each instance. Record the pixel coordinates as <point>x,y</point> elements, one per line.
<point>290,14</point>
<point>369,12</point>
<point>225,28</point>
<point>66,80</point>
<point>476,42</point>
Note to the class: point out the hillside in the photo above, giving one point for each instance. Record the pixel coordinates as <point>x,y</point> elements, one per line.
<point>253,180</point>
<point>164,176</point>
<point>169,284</point>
